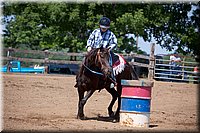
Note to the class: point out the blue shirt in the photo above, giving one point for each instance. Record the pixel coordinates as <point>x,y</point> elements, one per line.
<point>96,39</point>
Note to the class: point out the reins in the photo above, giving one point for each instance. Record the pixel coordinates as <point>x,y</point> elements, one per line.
<point>95,72</point>
<point>92,71</point>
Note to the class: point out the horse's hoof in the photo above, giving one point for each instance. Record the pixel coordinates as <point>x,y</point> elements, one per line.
<point>114,121</point>
<point>81,117</point>
<point>111,115</point>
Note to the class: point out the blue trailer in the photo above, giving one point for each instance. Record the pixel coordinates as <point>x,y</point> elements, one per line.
<point>15,66</point>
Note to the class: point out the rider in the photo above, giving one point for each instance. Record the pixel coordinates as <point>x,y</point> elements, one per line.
<point>103,37</point>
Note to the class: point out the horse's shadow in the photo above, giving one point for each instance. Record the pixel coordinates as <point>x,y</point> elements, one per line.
<point>101,118</point>
<point>109,119</point>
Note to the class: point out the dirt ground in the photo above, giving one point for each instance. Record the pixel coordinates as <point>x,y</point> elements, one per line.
<point>37,102</point>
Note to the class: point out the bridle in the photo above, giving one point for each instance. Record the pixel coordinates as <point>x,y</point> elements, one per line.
<point>95,72</point>
<point>92,71</point>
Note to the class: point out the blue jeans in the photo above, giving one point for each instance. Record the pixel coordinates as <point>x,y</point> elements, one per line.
<point>111,63</point>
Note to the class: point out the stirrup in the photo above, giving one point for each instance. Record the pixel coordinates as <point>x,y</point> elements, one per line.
<point>112,85</point>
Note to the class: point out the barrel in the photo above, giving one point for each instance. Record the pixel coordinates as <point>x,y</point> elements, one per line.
<point>135,103</point>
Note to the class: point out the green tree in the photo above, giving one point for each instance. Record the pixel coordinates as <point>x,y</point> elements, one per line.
<point>62,25</point>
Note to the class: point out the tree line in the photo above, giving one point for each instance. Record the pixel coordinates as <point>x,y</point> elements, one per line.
<point>67,26</point>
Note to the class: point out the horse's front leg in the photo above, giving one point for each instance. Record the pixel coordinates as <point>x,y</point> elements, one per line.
<point>114,94</point>
<point>80,114</point>
<point>82,102</point>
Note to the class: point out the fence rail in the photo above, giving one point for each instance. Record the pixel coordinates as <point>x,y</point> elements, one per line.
<point>41,60</point>
<point>183,72</point>
<point>46,52</point>
<point>10,54</point>
<point>157,68</point>
<point>10,51</point>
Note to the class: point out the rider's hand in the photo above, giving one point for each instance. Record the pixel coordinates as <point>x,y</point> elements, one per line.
<point>89,49</point>
<point>109,48</point>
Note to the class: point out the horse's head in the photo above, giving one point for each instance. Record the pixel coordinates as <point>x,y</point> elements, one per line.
<point>98,59</point>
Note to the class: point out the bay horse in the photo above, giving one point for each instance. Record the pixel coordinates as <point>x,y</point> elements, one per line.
<point>95,74</point>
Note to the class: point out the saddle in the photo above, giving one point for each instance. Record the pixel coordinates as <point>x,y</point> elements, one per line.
<point>118,65</point>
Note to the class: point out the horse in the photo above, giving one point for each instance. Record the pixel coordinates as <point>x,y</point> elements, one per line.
<point>95,74</point>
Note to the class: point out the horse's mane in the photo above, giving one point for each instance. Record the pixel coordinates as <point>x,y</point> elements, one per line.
<point>88,60</point>
<point>89,57</point>
<point>92,53</point>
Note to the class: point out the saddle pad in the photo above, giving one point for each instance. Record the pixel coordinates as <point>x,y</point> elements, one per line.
<point>119,64</point>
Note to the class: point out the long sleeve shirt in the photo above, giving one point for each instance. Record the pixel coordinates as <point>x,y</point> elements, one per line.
<point>97,39</point>
<point>174,60</point>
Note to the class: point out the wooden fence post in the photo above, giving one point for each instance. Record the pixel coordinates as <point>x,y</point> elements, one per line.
<point>46,58</point>
<point>183,68</point>
<point>9,65</point>
<point>151,62</point>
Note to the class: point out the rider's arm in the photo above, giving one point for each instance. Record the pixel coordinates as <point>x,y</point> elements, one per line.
<point>178,59</point>
<point>112,41</point>
<point>91,40</point>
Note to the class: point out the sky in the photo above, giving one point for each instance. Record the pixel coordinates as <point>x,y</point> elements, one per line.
<point>146,46</point>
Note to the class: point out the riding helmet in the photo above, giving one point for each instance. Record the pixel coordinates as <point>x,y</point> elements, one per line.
<point>104,22</point>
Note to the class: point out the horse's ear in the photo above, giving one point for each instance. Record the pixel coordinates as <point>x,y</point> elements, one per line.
<point>98,51</point>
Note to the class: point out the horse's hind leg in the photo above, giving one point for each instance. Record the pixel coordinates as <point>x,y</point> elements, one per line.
<point>114,94</point>
<point>82,101</point>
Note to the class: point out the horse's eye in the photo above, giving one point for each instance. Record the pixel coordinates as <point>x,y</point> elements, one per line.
<point>102,55</point>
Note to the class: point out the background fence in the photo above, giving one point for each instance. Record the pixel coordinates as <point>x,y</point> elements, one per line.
<point>154,67</point>
<point>185,71</point>
<point>45,58</point>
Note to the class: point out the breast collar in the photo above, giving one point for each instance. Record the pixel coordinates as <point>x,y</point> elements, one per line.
<point>92,71</point>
